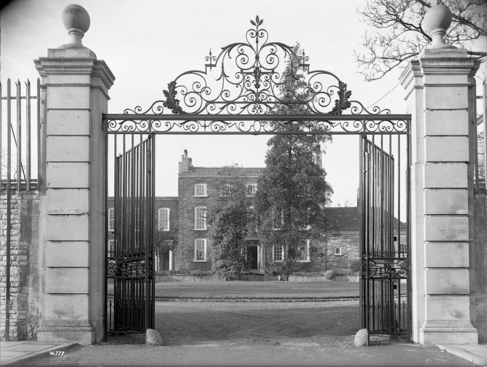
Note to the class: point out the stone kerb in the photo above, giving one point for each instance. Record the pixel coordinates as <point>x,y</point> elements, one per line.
<point>439,88</point>
<point>72,201</point>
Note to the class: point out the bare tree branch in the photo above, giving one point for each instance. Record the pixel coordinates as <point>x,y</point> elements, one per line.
<point>399,34</point>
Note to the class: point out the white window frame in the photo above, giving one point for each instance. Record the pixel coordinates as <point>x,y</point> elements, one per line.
<point>197,227</point>
<point>274,248</point>
<point>111,224</point>
<point>308,242</point>
<point>160,224</point>
<point>199,194</point>
<point>250,193</point>
<point>199,242</point>
<point>338,251</point>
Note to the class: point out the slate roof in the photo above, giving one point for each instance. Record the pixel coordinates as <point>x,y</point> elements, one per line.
<point>344,217</point>
<point>348,217</point>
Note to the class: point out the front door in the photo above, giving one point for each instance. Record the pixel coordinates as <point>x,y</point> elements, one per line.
<point>252,257</point>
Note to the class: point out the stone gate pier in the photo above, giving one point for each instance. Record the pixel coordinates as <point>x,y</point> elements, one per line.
<point>440,95</point>
<point>72,196</point>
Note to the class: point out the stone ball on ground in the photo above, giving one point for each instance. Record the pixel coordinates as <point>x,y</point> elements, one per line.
<point>153,337</point>
<point>361,338</point>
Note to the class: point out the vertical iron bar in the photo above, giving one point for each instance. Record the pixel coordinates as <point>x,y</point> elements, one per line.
<point>399,313</point>
<point>41,110</point>
<point>373,194</point>
<point>391,197</point>
<point>473,114</point>
<point>19,136</point>
<point>408,228</point>
<point>362,229</point>
<point>124,231</point>
<point>367,208</point>
<point>28,134</point>
<point>151,223</point>
<point>9,203</point>
<point>399,190</point>
<point>381,185</point>
<point>132,197</point>
<point>1,136</point>
<point>107,220</point>
<point>373,186</point>
<point>145,297</point>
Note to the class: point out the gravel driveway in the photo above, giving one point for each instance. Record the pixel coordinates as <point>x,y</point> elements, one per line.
<point>252,334</point>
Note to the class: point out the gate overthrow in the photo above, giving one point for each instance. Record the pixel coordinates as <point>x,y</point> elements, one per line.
<point>245,90</point>
<point>130,262</point>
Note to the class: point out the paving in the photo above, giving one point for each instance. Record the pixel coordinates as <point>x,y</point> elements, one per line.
<point>471,352</point>
<point>19,351</point>
<point>290,353</point>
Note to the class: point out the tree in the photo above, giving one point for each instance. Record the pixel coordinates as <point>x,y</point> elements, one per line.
<point>292,191</point>
<point>400,36</point>
<point>229,218</point>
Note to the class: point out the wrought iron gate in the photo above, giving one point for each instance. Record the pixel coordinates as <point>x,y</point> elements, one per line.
<point>130,262</point>
<point>248,90</point>
<point>384,288</point>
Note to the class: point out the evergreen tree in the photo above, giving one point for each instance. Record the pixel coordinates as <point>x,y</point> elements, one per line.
<point>293,192</point>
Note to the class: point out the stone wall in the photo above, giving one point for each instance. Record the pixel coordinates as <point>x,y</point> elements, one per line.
<point>24,284</point>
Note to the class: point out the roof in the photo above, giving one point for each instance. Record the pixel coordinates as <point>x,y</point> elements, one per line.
<point>241,171</point>
<point>344,217</point>
<point>349,217</point>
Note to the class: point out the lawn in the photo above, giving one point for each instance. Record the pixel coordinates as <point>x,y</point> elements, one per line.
<point>257,289</point>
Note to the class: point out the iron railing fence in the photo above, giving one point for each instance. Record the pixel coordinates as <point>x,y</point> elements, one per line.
<point>479,123</point>
<point>19,165</point>
<point>20,122</point>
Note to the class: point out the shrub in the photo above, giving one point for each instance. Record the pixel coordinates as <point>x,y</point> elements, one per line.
<point>329,274</point>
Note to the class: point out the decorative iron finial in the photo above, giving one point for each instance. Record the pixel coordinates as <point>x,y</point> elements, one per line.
<point>436,22</point>
<point>303,61</point>
<point>257,22</point>
<point>77,21</point>
<point>211,61</point>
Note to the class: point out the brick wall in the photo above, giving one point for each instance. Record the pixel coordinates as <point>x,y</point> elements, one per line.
<point>349,245</point>
<point>188,202</point>
<point>24,287</point>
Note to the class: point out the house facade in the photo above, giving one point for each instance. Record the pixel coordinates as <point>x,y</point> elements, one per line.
<point>183,241</point>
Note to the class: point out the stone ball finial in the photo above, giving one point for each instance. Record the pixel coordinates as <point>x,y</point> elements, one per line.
<point>436,22</point>
<point>77,21</point>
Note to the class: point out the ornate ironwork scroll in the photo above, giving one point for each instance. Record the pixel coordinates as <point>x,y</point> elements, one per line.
<point>387,269</point>
<point>268,81</point>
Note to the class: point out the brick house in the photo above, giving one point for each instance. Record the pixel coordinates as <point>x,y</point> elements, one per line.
<point>183,238</point>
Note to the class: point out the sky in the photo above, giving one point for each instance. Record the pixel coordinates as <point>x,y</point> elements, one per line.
<point>147,43</point>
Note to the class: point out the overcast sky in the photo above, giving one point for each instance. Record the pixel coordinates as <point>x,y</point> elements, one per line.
<point>147,43</point>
